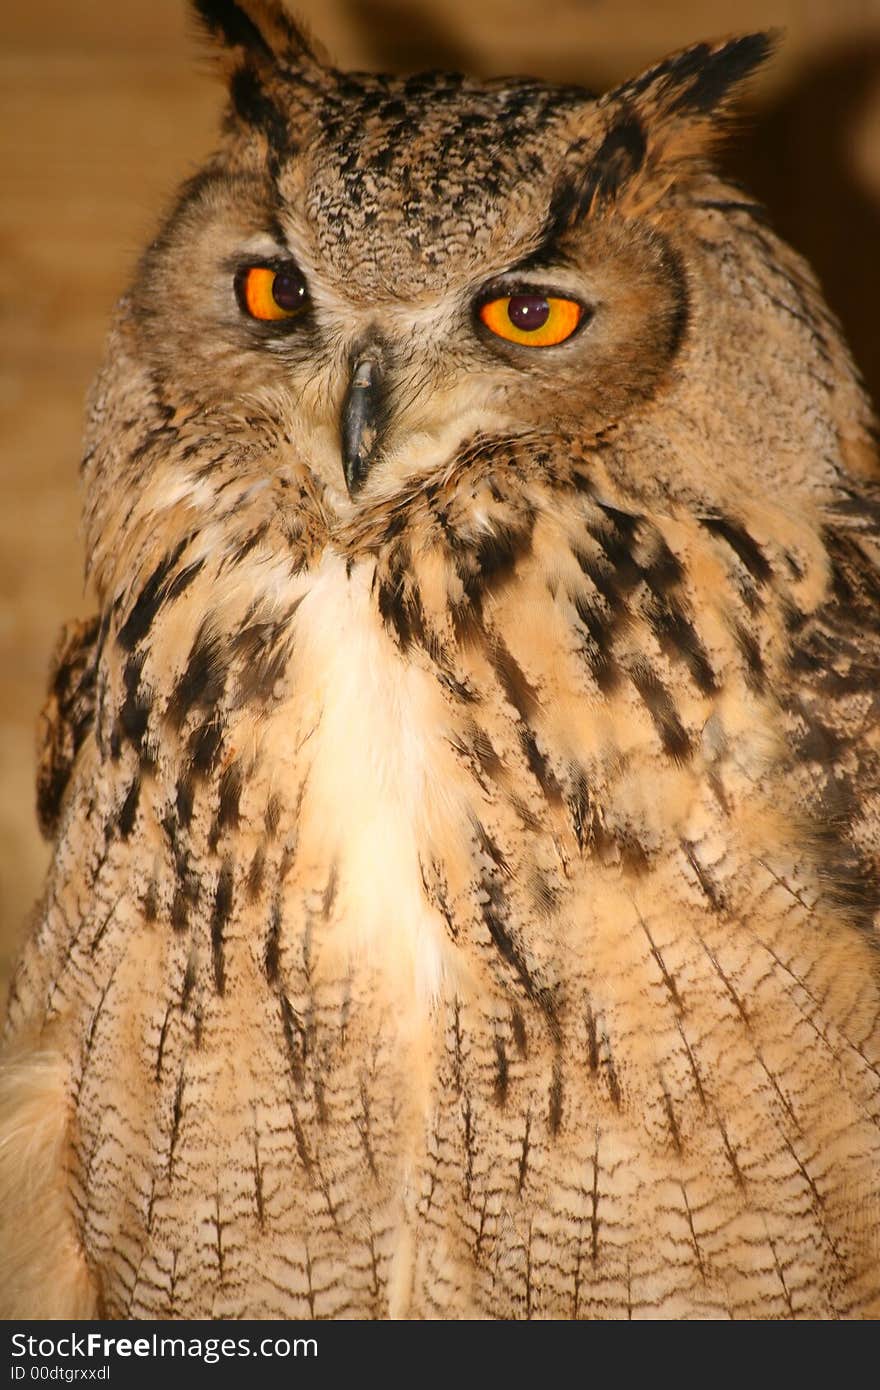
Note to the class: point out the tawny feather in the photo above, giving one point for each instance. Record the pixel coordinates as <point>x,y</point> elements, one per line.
<point>464,889</point>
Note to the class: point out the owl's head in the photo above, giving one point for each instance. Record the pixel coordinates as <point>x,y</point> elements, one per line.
<point>378,280</point>
<point>389,266</point>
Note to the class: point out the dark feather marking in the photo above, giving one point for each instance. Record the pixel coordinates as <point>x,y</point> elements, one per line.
<point>218,1235</point>
<point>509,951</point>
<point>677,635</point>
<point>518,1027</point>
<point>231,23</point>
<point>187,880</point>
<point>163,1034</point>
<point>182,580</point>
<point>105,922</point>
<point>601,628</point>
<point>710,76</point>
<point>467,1117</point>
<point>456,1047</point>
<point>674,1131</point>
<point>614,582</point>
<point>489,847</point>
<point>330,891</point>
<point>204,746</point>
<point>68,715</point>
<point>273,816</point>
<point>756,678</point>
<point>694,1241</point>
<point>596,1045</point>
<point>258,1183</point>
<point>817,1202</point>
<point>502,1072</point>
<point>518,691</point>
<point>253,105</point>
<point>614,1090</point>
<point>554,1116</point>
<point>264,651</point>
<point>539,767</point>
<point>221,913</point>
<point>242,551</point>
<point>134,713</point>
<point>664,571</point>
<point>528,1273</point>
<point>658,702</point>
<point>850,881</point>
<point>580,806</point>
<point>151,902</point>
<point>634,858</point>
<point>149,601</point>
<point>741,543</point>
<point>497,555</point>
<point>739,1176</point>
<point>227,817</point>
<point>271,957</point>
<point>594,1205</point>
<point>709,888</point>
<point>296,1038</point>
<point>128,811</point>
<point>467,621</point>
<point>176,1113</point>
<point>617,159</point>
<point>592,1040</point>
<point>203,679</point>
<point>255,874</point>
<point>751,210</point>
<point>524,699</point>
<point>180,906</point>
<point>692,1062</point>
<point>184,799</point>
<point>188,982</point>
<point>394,611</point>
<point>362,1124</point>
<point>484,751</point>
<point>524,1155</point>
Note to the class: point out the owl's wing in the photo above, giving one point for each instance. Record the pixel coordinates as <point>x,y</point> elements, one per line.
<point>833,702</point>
<point>66,717</point>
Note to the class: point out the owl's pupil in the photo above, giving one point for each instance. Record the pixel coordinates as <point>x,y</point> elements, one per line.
<point>288,289</point>
<point>528,311</point>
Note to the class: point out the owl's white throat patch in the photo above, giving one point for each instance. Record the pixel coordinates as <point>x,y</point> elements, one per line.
<point>372,744</point>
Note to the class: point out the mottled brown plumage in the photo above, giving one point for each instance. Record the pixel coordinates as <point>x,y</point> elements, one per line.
<point>464,891</point>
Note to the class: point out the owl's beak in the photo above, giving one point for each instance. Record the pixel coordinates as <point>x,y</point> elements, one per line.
<point>361,420</point>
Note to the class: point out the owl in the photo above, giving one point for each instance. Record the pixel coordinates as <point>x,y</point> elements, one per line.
<point>466,798</point>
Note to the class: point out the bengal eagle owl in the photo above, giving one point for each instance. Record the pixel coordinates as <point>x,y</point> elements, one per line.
<point>466,800</point>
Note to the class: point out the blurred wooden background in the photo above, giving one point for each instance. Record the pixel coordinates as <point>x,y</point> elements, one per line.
<point>105,106</point>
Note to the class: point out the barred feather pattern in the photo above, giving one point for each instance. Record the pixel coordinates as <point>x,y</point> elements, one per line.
<point>625,979</point>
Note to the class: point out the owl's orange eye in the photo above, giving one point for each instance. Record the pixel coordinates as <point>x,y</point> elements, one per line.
<point>271,295</point>
<point>532,319</point>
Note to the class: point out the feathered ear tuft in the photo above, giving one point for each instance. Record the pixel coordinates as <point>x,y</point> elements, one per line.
<point>701,81</point>
<point>266,58</point>
<point>656,124</point>
<point>255,31</point>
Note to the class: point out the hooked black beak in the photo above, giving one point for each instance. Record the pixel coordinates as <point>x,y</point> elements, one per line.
<point>361,420</point>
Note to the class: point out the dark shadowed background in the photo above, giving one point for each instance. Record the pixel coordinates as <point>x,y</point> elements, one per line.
<point>106,104</point>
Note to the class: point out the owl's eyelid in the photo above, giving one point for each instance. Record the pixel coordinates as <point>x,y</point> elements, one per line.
<point>254,260</point>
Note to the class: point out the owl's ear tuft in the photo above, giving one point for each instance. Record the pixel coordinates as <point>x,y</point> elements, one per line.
<point>699,81</point>
<point>263,54</point>
<point>256,31</point>
<point>655,127</point>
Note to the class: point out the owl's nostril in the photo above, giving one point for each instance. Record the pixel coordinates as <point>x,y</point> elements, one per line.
<point>361,420</point>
